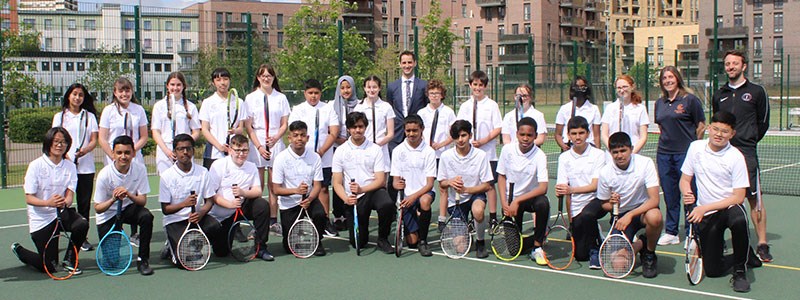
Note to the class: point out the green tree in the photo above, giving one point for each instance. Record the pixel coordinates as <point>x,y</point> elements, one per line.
<point>105,66</point>
<point>311,46</point>
<point>643,75</point>
<point>386,62</point>
<point>583,70</point>
<point>231,56</point>
<point>437,43</point>
<point>18,86</point>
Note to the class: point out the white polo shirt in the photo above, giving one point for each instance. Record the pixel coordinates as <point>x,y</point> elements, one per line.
<point>473,168</point>
<point>169,113</point>
<point>446,119</point>
<point>717,173</point>
<point>114,119</point>
<point>109,178</point>
<point>278,108</point>
<point>44,179</point>
<point>383,112</point>
<point>415,165</point>
<point>290,170</point>
<point>327,117</point>
<point>631,184</point>
<point>510,124</point>
<point>80,127</point>
<point>488,119</point>
<point>176,185</point>
<point>579,170</point>
<point>588,111</point>
<point>358,162</point>
<point>525,170</point>
<point>222,175</point>
<point>633,117</point>
<point>217,112</point>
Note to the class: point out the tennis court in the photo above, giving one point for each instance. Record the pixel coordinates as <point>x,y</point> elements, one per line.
<point>342,274</point>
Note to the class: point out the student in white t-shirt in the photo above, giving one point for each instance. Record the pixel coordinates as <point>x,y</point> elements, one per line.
<point>380,116</point>
<point>632,181</point>
<point>414,170</point>
<point>578,173</point>
<point>172,116</point>
<point>78,117</point>
<point>524,107</point>
<point>236,183</point>
<point>125,181</point>
<point>437,136</point>
<point>221,116</point>
<point>297,178</point>
<point>359,163</point>
<point>525,165</point>
<point>484,116</point>
<point>634,118</point>
<point>722,181</point>
<point>183,185</point>
<point>464,170</point>
<point>49,186</point>
<point>124,116</point>
<point>580,95</point>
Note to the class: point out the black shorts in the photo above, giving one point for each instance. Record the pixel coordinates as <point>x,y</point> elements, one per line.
<point>753,171</point>
<point>326,177</point>
<point>493,165</point>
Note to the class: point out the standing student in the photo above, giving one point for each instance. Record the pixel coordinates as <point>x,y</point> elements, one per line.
<point>721,173</point>
<point>124,116</point>
<point>221,116</point>
<point>125,181</point>
<point>406,95</point>
<point>414,170</point>
<point>266,104</point>
<point>172,116</point>
<point>525,165</point>
<point>380,116</point>
<point>484,116</point>
<point>749,103</point>
<point>633,119</point>
<point>183,185</point>
<point>578,173</point>
<point>297,178</point>
<point>464,170</point>
<point>323,128</point>
<point>237,185</point>
<point>438,118</point>
<point>78,117</point>
<point>680,118</point>
<point>580,94</point>
<point>343,103</point>
<point>524,107</point>
<point>631,181</point>
<point>359,163</point>
<point>50,182</point>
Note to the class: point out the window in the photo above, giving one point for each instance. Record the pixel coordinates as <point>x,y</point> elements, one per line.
<point>757,69</point>
<point>501,12</point>
<point>686,39</point>
<point>758,4</point>
<point>148,44</point>
<point>488,53</point>
<point>245,17</point>
<point>146,67</point>
<point>168,26</point>
<point>413,9</point>
<point>463,10</point>
<point>29,22</point>
<point>72,24</point>
<point>777,69</point>
<point>128,25</point>
<point>72,44</point>
<point>778,46</point>
<point>514,28</point>
<point>48,44</point>
<point>396,38</point>
<point>720,21</point>
<point>280,39</point>
<point>90,44</point>
<point>660,59</point>
<point>157,67</point>
<point>396,25</point>
<point>90,24</point>
<point>778,21</point>
<point>70,66</point>
<point>81,66</point>
<point>45,66</point>
<point>57,66</point>
<point>385,41</point>
<point>467,54</point>
<point>228,17</point>
<point>527,28</point>
<point>265,21</point>
<point>148,25</point>
<point>402,8</point>
<point>778,4</point>
<point>48,24</point>
<point>526,12</point>
<point>738,21</point>
<point>129,45</point>
<point>650,41</point>
<point>186,45</point>
<point>488,14</point>
<point>383,9</point>
<point>737,5</point>
<point>186,62</point>
<point>694,39</point>
<point>219,20</point>
<point>220,38</point>
<point>6,24</point>
<point>661,43</point>
<point>758,23</point>
<point>168,45</point>
<point>501,30</point>
<point>280,21</point>
<point>186,26</point>
<point>758,45</point>
<point>466,35</point>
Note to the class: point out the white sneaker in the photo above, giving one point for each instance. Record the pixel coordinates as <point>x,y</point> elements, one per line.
<point>537,255</point>
<point>668,239</point>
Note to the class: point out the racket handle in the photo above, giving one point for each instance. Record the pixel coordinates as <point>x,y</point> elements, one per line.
<point>615,209</point>
<point>561,203</point>
<point>510,192</point>
<point>192,193</point>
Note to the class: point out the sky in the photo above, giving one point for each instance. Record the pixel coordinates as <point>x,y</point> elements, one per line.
<point>166,3</point>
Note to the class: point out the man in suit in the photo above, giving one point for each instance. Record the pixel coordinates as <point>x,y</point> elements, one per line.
<point>407,95</point>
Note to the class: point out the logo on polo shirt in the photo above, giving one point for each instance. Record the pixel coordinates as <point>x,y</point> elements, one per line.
<point>680,110</point>
<point>747,97</point>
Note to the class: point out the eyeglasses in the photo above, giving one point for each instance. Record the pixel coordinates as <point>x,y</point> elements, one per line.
<point>60,143</point>
<point>265,76</point>
<point>184,149</point>
<point>524,96</point>
<point>240,151</point>
<point>434,93</point>
<point>580,88</point>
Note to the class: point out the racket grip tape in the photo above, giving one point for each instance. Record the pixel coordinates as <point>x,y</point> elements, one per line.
<point>192,193</point>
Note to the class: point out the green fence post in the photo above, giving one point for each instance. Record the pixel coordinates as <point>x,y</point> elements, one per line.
<point>478,50</point>
<point>416,51</point>
<point>137,19</point>
<point>780,111</point>
<point>3,154</point>
<point>341,48</point>
<point>455,96</point>
<point>532,66</point>
<point>249,49</point>
<point>612,90</point>
<point>646,80</point>
<point>788,89</point>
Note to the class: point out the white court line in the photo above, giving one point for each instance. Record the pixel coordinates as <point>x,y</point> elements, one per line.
<point>24,225</point>
<point>781,167</point>
<point>25,208</point>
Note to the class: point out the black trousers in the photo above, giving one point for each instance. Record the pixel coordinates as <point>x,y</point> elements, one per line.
<point>175,230</point>
<point>541,207</point>
<point>711,233</point>
<point>135,215</point>
<point>73,223</point>
<point>83,194</point>
<point>379,201</point>
<point>315,212</point>
<point>585,232</point>
<point>257,211</point>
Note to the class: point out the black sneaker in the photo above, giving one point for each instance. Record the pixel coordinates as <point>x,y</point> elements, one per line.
<point>763,253</point>
<point>338,224</point>
<point>330,230</point>
<point>480,250</point>
<point>649,264</point>
<point>424,250</point>
<point>320,250</point>
<point>264,255</point>
<point>14,248</point>
<point>165,252</point>
<point>383,245</point>
<point>739,282</point>
<point>70,267</point>
<point>493,223</point>
<point>144,267</point>
<point>753,260</point>
<point>87,246</point>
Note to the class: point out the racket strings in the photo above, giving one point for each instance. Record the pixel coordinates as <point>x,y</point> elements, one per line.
<point>694,262</point>
<point>506,241</point>
<point>114,253</point>
<point>455,239</point>
<point>303,238</point>
<point>559,248</point>
<point>194,250</point>
<point>616,256</point>
<point>60,249</point>
<point>242,237</point>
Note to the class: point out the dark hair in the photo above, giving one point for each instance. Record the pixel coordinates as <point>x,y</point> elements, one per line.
<point>527,121</point>
<point>298,125</point>
<point>220,72</point>
<point>618,140</point>
<point>736,52</point>
<point>480,76</point>
<point>354,117</point>
<point>179,76</point>
<point>182,138</point>
<point>371,78</point>
<point>574,91</point>
<point>577,122</point>
<point>459,126</point>
<point>436,84</point>
<point>51,135</point>
<point>408,52</point>
<point>88,100</point>
<point>678,78</point>
<point>266,68</point>
<point>312,84</point>
<point>239,139</point>
<point>122,140</point>
<point>414,119</point>
<point>724,117</point>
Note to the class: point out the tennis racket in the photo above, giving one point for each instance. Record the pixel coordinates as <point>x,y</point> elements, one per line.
<point>194,249</point>
<point>303,236</point>
<point>60,239</point>
<point>616,252</point>
<point>455,239</point>
<point>517,110</point>
<point>694,257</point>
<point>355,224</point>
<point>506,238</point>
<point>241,237</point>
<point>574,107</point>
<point>621,113</point>
<point>266,123</point>
<point>114,253</point>
<point>399,233</point>
<point>316,130</point>
<point>81,134</point>
<point>559,247</point>
<point>232,120</point>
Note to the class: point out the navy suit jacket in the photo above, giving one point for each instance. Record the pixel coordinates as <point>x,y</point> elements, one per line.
<point>394,95</point>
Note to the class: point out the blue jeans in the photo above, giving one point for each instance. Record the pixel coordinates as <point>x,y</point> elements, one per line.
<point>669,174</point>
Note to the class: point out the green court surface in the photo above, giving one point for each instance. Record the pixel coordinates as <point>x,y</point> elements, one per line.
<point>342,274</point>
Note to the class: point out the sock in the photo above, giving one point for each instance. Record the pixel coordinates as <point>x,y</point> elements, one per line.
<point>424,224</point>
<point>480,229</point>
<point>273,221</point>
<point>493,215</point>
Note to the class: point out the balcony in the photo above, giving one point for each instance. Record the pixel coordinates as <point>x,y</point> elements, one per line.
<point>570,3</point>
<point>594,25</point>
<point>490,3</point>
<point>514,78</point>
<point>569,21</point>
<point>362,11</point>
<point>627,30</point>
<point>239,26</point>
<point>513,39</point>
<point>570,39</point>
<point>594,6</point>
<point>726,33</point>
<point>513,58</point>
<point>363,28</point>
<point>627,43</point>
<point>688,48</point>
